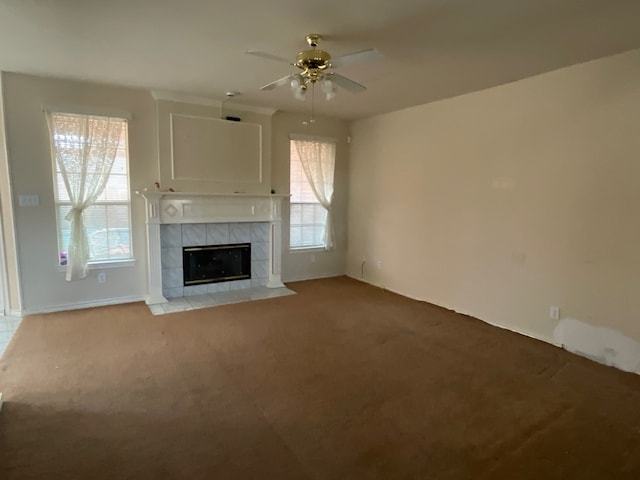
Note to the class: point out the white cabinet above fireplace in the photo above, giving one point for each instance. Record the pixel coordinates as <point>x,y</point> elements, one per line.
<point>200,151</point>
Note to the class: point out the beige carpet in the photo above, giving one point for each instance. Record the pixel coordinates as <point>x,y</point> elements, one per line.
<point>342,381</point>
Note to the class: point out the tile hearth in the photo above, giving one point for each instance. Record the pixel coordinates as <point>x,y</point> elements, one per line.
<point>182,304</point>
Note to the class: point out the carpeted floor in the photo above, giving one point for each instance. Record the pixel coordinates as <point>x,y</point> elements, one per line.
<point>342,381</point>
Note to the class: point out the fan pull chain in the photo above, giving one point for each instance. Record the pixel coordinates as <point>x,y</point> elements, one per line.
<point>313,99</point>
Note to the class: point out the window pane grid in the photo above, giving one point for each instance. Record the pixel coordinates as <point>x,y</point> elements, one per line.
<point>108,231</point>
<point>307,225</point>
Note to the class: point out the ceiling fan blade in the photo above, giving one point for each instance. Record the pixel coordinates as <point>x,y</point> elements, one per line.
<point>346,83</point>
<point>268,56</point>
<point>358,57</point>
<point>281,82</point>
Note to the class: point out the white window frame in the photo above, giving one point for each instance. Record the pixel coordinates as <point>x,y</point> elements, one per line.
<point>101,263</point>
<point>304,248</point>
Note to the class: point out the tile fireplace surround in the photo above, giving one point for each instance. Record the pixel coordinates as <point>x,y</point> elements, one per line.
<point>176,219</point>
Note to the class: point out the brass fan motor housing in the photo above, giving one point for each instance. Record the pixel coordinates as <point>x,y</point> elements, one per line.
<point>313,59</point>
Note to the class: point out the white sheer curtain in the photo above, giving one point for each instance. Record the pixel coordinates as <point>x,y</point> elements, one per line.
<point>84,147</point>
<point>318,161</point>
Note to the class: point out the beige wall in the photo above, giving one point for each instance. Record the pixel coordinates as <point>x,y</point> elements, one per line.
<point>504,202</point>
<point>42,281</point>
<point>318,263</point>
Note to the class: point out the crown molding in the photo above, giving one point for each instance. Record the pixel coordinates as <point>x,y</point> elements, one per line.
<point>210,102</point>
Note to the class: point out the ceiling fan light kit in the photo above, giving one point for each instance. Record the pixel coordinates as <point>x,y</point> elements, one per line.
<point>314,65</point>
<point>328,87</point>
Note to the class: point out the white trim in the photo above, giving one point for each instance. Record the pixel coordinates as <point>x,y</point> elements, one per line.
<point>4,291</point>
<point>11,218</point>
<point>129,262</point>
<point>172,164</point>
<point>312,138</point>
<point>78,306</point>
<point>206,101</point>
<point>303,278</point>
<point>275,252</point>
<point>145,192</point>
<point>308,249</point>
<point>526,333</point>
<point>98,112</point>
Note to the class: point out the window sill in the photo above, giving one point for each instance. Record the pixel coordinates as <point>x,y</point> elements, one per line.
<point>307,249</point>
<point>102,265</point>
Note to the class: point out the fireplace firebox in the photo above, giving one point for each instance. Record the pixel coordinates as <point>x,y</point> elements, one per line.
<point>216,263</point>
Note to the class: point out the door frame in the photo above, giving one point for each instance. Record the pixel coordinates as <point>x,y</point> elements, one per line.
<point>3,271</point>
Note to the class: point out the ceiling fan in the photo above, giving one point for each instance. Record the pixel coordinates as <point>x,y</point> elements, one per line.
<point>315,67</point>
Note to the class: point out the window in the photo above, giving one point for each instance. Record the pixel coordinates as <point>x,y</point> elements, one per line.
<point>90,160</point>
<point>312,165</point>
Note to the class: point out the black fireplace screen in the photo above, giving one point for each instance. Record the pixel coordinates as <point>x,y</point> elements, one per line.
<point>216,263</point>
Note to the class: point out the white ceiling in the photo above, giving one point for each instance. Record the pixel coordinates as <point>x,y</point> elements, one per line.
<point>432,49</point>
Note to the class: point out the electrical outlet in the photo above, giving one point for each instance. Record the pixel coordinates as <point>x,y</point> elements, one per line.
<point>554,312</point>
<point>28,200</point>
<point>312,258</point>
<point>102,277</point>
<point>379,264</point>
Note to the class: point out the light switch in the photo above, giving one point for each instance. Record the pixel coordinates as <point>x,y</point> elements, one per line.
<point>28,200</point>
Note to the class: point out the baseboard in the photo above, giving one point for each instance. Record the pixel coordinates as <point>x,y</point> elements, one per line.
<point>521,331</point>
<point>302,278</point>
<point>513,329</point>
<point>78,306</point>
<point>15,313</point>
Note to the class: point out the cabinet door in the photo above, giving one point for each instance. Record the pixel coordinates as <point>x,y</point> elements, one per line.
<point>211,149</point>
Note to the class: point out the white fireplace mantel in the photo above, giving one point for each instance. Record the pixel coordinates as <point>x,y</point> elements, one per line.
<point>181,207</point>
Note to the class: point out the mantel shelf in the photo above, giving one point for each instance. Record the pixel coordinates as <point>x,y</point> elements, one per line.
<point>158,194</point>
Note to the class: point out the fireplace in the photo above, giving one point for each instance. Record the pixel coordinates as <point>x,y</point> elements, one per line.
<point>216,263</point>
<point>178,219</point>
